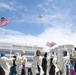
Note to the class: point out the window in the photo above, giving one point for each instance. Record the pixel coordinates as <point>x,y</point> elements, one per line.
<point>13,51</point>
<point>7,52</point>
<point>29,60</point>
<point>29,53</point>
<point>42,54</point>
<point>28,47</point>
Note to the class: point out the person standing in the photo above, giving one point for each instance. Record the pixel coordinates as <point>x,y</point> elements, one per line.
<point>44,64</point>
<point>24,60</point>
<point>63,59</point>
<point>4,63</point>
<point>52,67</point>
<point>13,67</point>
<point>37,64</point>
<point>18,64</point>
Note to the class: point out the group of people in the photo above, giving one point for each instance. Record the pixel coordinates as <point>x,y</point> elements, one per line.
<point>55,65</point>
<point>40,65</point>
<point>14,65</point>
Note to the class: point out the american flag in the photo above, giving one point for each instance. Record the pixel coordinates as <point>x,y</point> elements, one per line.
<point>50,44</point>
<point>4,21</point>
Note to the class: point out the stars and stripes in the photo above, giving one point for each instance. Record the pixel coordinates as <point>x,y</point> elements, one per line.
<point>4,21</point>
<point>50,44</point>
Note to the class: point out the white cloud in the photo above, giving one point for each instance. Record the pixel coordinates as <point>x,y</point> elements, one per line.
<point>6,6</point>
<point>58,35</point>
<point>11,5</point>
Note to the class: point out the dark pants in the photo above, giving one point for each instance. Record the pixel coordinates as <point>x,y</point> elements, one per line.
<point>38,70</point>
<point>13,70</point>
<point>75,66</point>
<point>44,69</point>
<point>52,70</point>
<point>23,72</point>
<point>2,72</point>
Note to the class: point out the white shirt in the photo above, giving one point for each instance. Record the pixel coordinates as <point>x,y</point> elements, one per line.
<point>37,60</point>
<point>4,62</point>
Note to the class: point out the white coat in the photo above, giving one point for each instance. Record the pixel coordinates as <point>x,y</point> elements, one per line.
<point>55,63</point>
<point>37,60</point>
<point>62,61</point>
<point>4,62</point>
<point>18,64</point>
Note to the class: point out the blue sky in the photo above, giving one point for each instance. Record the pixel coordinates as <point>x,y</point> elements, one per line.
<point>58,23</point>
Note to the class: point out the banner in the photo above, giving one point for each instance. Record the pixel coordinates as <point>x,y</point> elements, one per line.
<point>4,21</point>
